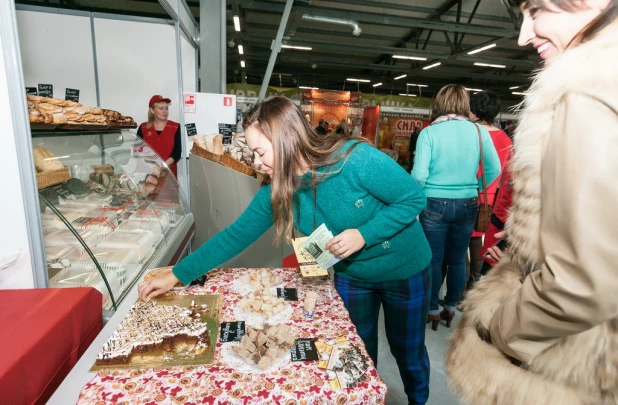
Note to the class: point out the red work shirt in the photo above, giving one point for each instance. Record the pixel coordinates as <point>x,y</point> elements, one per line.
<point>163,143</point>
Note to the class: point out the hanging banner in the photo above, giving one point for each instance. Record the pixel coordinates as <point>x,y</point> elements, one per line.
<point>331,113</point>
<point>370,123</point>
<point>331,96</point>
<point>394,133</point>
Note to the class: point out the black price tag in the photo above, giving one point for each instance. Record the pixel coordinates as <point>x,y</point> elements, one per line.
<point>226,130</point>
<point>71,95</point>
<point>288,294</point>
<point>304,350</point>
<point>46,90</point>
<point>31,91</point>
<point>191,129</point>
<point>232,331</point>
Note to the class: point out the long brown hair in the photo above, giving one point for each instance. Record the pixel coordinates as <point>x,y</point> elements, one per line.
<point>607,16</point>
<point>296,146</point>
<point>451,99</point>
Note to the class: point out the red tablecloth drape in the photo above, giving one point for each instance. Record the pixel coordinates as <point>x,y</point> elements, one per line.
<point>43,333</point>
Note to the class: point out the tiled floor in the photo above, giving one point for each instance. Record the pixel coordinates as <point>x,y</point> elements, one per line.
<point>439,393</point>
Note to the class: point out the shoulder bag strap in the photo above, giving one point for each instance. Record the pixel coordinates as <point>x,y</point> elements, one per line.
<point>483,179</point>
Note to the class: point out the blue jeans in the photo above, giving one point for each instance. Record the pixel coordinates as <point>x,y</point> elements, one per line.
<point>448,224</point>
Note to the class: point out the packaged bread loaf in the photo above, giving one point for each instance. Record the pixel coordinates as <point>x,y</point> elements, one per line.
<point>59,118</point>
<point>44,160</point>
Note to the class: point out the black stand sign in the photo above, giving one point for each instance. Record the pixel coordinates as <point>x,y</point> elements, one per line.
<point>46,90</point>
<point>191,129</point>
<point>304,350</point>
<point>226,130</point>
<point>288,294</point>
<point>232,331</point>
<point>71,95</point>
<point>32,91</point>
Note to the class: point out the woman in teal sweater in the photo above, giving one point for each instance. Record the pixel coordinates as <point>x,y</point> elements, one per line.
<point>364,198</point>
<point>446,166</point>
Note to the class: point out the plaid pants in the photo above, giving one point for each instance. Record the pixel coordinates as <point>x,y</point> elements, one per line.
<point>406,304</point>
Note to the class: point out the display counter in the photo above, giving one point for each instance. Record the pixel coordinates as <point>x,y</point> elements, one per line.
<point>225,381</point>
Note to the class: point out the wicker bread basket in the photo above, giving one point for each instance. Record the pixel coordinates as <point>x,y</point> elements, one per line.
<point>49,178</point>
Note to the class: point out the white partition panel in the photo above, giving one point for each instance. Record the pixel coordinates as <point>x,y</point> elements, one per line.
<point>136,60</point>
<point>57,49</point>
<point>188,65</point>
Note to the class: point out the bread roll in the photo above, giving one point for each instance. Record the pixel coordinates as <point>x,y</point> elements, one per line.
<point>75,110</point>
<point>74,118</point>
<point>35,99</point>
<point>44,160</point>
<point>74,104</point>
<point>35,116</point>
<point>48,118</point>
<point>49,108</point>
<point>59,119</point>
<point>94,110</point>
<point>55,101</point>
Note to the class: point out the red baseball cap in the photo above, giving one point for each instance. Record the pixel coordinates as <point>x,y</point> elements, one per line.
<point>157,99</point>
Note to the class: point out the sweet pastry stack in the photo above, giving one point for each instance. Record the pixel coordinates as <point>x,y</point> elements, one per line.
<point>150,328</point>
<point>114,118</point>
<point>49,110</point>
<point>262,347</point>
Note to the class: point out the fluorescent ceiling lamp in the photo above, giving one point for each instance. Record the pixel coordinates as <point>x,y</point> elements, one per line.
<point>241,50</point>
<point>408,57</point>
<point>473,89</point>
<point>237,23</point>
<point>359,80</point>
<point>308,88</point>
<point>377,84</point>
<point>432,66</point>
<point>514,87</point>
<point>400,77</point>
<point>242,63</point>
<point>481,49</point>
<point>490,65</point>
<point>300,48</point>
<point>409,95</point>
<point>518,93</point>
<point>417,85</point>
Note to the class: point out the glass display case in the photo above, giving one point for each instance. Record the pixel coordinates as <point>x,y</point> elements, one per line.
<point>110,209</point>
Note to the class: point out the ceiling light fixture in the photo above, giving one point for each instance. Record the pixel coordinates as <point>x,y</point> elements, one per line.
<point>408,57</point>
<point>518,93</point>
<point>432,66</point>
<point>237,23</point>
<point>490,65</point>
<point>400,77</point>
<point>359,80</point>
<point>514,87</point>
<point>308,88</point>
<point>481,49</point>
<point>377,84</point>
<point>417,85</point>
<point>409,95</point>
<point>242,63</point>
<point>241,50</point>
<point>467,89</point>
<point>300,48</point>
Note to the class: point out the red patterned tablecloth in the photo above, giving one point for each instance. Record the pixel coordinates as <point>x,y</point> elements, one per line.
<point>300,383</point>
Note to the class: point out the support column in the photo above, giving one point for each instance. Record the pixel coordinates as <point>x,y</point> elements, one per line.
<point>213,46</point>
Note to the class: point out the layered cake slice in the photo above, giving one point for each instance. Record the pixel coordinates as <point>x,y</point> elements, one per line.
<point>150,328</point>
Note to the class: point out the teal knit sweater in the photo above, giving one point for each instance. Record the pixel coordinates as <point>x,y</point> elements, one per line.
<point>367,191</point>
<point>447,159</point>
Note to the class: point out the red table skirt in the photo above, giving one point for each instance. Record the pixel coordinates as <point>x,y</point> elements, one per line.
<point>43,333</point>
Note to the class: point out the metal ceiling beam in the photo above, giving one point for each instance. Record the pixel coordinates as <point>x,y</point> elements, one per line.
<point>381,19</point>
<point>472,14</point>
<point>385,49</point>
<point>416,9</point>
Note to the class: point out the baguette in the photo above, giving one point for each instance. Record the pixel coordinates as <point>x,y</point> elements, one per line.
<point>55,101</point>
<point>49,108</point>
<point>44,160</point>
<point>35,99</point>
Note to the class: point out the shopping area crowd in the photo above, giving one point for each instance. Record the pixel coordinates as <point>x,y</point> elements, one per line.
<point>540,317</point>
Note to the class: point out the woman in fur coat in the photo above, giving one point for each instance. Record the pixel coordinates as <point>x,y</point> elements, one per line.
<point>542,326</point>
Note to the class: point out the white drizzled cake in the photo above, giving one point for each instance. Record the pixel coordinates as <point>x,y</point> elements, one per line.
<point>149,327</point>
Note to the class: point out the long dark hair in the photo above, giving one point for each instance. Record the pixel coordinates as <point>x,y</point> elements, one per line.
<point>296,146</point>
<point>607,16</point>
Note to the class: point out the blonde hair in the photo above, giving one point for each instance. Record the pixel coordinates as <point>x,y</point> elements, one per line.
<point>451,99</point>
<point>296,146</point>
<point>151,116</point>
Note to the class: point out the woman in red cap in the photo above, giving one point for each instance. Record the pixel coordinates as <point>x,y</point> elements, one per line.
<point>161,134</point>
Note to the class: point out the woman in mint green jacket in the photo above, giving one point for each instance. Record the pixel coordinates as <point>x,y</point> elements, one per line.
<point>446,166</point>
<point>364,198</point>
